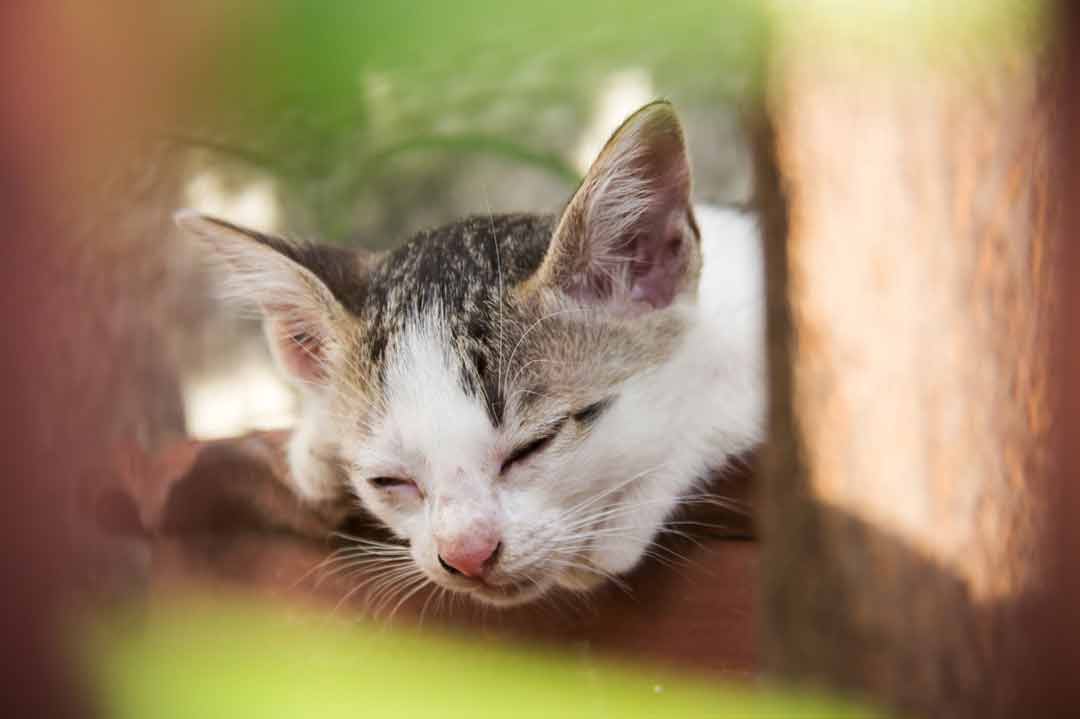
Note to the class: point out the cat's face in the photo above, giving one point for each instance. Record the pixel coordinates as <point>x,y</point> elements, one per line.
<point>488,389</point>
<point>492,431</point>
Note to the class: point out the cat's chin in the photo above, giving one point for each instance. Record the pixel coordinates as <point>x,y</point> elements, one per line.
<point>573,580</point>
<point>510,595</point>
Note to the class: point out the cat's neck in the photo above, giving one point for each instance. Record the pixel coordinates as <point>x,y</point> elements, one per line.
<point>706,404</point>
<point>732,280</point>
<point>730,328</point>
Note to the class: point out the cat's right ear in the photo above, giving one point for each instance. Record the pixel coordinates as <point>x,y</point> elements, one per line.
<point>302,315</point>
<point>628,239</point>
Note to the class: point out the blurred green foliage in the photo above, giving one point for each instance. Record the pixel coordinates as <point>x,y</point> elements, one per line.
<point>194,662</point>
<point>961,35</point>
<point>356,107</point>
<point>369,116</point>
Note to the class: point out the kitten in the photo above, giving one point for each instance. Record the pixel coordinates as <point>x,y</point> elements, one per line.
<point>522,398</point>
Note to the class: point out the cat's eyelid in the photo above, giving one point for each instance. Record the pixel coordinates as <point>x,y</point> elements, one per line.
<point>536,444</point>
<point>588,415</point>
<point>555,426</point>
<point>390,484</point>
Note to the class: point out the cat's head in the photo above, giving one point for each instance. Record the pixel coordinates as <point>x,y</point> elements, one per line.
<point>493,390</point>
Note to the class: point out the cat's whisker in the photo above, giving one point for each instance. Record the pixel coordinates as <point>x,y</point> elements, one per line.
<point>397,590</point>
<point>407,596</point>
<point>389,576</point>
<point>364,560</point>
<point>696,524</point>
<point>354,571</point>
<point>355,542</point>
<point>385,560</point>
<point>583,566</point>
<point>527,390</point>
<point>387,587</point>
<point>499,276</point>
<point>660,559</point>
<point>313,569</point>
<point>533,326</point>
<point>586,542</point>
<point>524,390</point>
<point>593,521</point>
<point>365,541</point>
<point>335,557</point>
<point>583,538</point>
<point>737,507</point>
<point>574,512</point>
<point>366,564</point>
<point>556,602</point>
<point>687,500</point>
<point>436,591</point>
<point>373,551</point>
<point>538,360</point>
<point>352,592</point>
<point>593,499</point>
<point>351,556</point>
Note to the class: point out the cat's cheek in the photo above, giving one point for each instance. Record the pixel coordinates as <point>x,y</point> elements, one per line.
<point>618,555</point>
<point>401,515</point>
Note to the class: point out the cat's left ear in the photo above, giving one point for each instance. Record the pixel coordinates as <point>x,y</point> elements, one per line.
<point>288,282</point>
<point>628,238</point>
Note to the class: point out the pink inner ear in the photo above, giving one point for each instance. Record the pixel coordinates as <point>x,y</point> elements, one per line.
<point>637,223</point>
<point>658,266</point>
<point>298,349</point>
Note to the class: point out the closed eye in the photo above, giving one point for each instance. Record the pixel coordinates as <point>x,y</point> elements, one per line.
<point>523,452</point>
<point>390,482</point>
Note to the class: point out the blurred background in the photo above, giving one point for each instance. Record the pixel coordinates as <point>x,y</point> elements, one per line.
<point>342,122</point>
<point>911,170</point>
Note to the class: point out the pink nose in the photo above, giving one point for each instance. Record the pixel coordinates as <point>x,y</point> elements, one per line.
<point>471,557</point>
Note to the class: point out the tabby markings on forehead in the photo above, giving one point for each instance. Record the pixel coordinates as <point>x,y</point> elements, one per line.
<point>457,271</point>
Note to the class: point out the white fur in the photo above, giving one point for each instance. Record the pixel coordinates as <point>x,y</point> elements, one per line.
<point>441,439</point>
<point>578,511</point>
<point>704,405</point>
